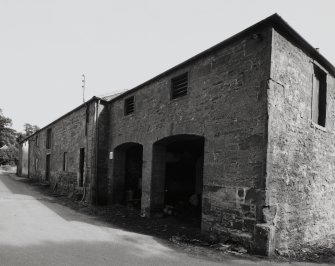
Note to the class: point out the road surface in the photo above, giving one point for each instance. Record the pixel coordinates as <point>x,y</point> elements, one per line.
<point>35,230</point>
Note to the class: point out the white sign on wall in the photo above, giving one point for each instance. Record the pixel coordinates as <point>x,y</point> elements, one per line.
<point>111,155</point>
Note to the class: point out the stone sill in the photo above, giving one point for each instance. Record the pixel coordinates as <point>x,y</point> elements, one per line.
<point>314,125</point>
<point>180,98</point>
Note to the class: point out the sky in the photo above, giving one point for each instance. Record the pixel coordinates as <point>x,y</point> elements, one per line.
<point>47,45</point>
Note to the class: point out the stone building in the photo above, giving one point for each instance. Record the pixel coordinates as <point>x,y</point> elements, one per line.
<point>65,152</point>
<point>239,137</point>
<point>23,162</point>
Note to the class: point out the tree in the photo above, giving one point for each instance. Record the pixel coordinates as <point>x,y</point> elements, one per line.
<point>9,155</point>
<point>8,137</point>
<point>4,121</point>
<point>7,134</point>
<point>30,129</point>
<point>20,136</point>
<point>11,139</point>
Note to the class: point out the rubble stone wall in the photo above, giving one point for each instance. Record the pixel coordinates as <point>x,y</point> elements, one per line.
<point>68,135</point>
<point>103,155</point>
<point>301,158</point>
<point>226,103</point>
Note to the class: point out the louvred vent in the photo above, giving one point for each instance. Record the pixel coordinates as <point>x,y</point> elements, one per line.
<point>179,86</point>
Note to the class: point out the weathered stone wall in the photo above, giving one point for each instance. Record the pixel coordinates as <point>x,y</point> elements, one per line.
<point>68,135</point>
<point>301,158</point>
<point>23,162</point>
<point>101,186</point>
<point>227,104</point>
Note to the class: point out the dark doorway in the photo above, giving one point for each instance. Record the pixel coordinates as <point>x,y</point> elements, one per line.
<point>127,185</point>
<point>177,179</point>
<point>81,166</point>
<point>47,167</point>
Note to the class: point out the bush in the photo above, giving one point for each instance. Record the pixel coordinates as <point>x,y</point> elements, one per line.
<point>8,156</point>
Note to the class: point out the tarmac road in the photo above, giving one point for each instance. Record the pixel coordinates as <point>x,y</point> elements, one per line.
<point>35,230</point>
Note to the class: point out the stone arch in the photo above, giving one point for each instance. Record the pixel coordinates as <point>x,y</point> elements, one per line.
<point>177,174</point>
<point>127,174</point>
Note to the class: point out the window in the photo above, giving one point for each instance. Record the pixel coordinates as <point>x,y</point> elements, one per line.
<point>36,164</point>
<point>81,167</point>
<point>129,105</point>
<point>47,167</point>
<point>36,141</point>
<point>179,86</point>
<point>48,142</point>
<point>87,120</point>
<point>65,161</point>
<point>319,98</point>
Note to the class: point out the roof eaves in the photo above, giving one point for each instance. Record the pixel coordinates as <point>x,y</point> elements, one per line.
<point>274,20</point>
<point>94,98</point>
<point>281,25</point>
<point>225,42</point>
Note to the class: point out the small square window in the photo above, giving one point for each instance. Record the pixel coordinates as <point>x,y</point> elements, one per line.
<point>179,86</point>
<point>129,105</point>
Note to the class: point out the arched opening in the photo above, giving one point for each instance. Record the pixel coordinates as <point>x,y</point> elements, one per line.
<point>127,174</point>
<point>177,177</point>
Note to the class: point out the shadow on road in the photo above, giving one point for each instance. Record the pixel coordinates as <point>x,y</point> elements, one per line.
<point>102,253</point>
<point>39,231</point>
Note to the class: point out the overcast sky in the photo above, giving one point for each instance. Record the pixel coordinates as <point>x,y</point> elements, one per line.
<point>46,45</point>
